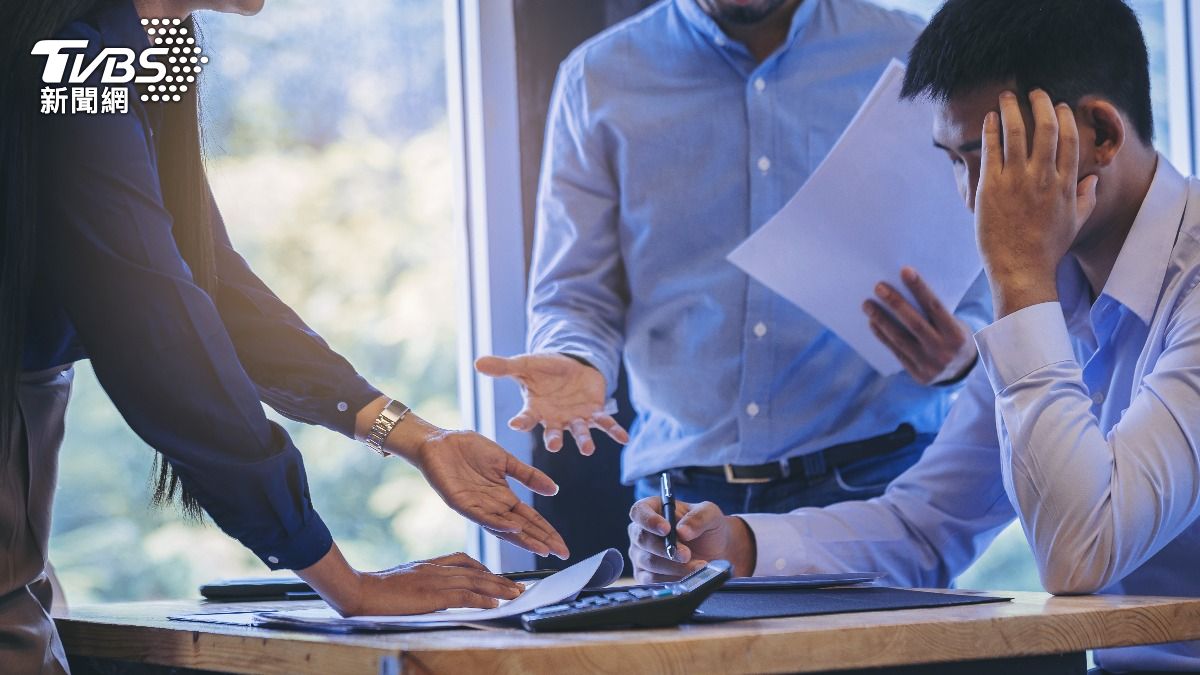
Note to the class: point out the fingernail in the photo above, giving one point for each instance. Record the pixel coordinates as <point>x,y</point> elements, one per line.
<point>909,274</point>
<point>881,291</point>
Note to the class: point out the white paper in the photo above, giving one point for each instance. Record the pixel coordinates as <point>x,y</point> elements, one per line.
<point>597,571</point>
<point>884,198</point>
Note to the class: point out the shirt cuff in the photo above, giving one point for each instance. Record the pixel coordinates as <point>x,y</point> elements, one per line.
<point>780,550</point>
<point>1024,342</point>
<point>352,398</point>
<point>301,549</point>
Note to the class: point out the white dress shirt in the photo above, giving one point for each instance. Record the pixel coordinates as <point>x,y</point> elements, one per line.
<point>1084,424</point>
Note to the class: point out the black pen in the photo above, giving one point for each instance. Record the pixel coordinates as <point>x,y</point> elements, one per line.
<point>668,512</point>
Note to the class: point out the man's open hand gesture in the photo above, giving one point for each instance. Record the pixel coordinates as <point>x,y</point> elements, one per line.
<point>561,394</point>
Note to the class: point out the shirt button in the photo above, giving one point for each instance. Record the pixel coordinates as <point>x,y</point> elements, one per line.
<point>764,164</point>
<point>273,560</point>
<point>719,40</point>
<point>343,406</point>
<point>780,564</point>
<point>752,410</point>
<point>1098,397</point>
<point>760,84</point>
<point>760,329</point>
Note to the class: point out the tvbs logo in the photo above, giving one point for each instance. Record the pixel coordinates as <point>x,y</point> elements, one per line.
<point>166,69</point>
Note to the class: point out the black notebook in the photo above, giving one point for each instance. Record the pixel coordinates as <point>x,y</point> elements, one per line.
<point>734,605</point>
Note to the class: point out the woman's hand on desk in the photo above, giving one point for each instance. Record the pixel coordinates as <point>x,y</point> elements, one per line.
<point>562,394</point>
<point>414,588</point>
<point>703,534</point>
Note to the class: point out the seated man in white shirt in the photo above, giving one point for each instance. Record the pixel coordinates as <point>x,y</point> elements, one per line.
<point>1084,423</point>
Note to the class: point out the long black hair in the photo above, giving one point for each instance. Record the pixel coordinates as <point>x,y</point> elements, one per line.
<point>180,170</point>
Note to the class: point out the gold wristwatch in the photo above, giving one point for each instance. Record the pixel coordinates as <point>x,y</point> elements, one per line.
<point>388,418</point>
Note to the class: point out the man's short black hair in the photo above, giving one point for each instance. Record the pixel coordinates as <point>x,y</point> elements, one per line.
<point>1070,48</point>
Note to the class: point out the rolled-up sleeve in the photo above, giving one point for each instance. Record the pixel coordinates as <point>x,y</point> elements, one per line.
<point>578,294</point>
<point>157,341</point>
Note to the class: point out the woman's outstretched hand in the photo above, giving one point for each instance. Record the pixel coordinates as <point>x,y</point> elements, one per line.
<point>470,473</point>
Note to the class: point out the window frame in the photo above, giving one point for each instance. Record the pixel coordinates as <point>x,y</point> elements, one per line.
<point>481,70</point>
<point>1191,30</point>
<point>1180,23</point>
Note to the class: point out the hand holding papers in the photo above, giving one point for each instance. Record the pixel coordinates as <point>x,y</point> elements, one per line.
<point>883,199</point>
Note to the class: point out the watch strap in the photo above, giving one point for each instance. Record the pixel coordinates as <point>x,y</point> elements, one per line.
<point>389,417</point>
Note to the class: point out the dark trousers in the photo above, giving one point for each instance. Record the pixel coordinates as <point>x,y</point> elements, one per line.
<point>29,642</point>
<point>864,479</point>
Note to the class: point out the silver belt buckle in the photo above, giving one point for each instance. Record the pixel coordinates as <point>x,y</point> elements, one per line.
<point>734,480</point>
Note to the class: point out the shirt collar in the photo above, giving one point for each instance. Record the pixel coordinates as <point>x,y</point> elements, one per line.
<point>1137,277</point>
<point>704,24</point>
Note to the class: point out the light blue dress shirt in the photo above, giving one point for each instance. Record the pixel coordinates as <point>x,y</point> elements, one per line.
<point>667,145</point>
<point>1084,423</point>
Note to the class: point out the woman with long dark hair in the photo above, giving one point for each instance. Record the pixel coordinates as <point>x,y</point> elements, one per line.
<point>112,249</point>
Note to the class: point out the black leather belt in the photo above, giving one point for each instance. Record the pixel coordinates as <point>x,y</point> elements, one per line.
<point>813,464</point>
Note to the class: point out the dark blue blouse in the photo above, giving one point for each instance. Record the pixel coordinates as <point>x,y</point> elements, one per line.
<point>187,370</point>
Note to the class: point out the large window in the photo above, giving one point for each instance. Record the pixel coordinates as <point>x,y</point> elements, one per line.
<point>331,157</point>
<point>1008,563</point>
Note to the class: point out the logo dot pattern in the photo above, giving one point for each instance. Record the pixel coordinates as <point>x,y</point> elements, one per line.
<point>185,60</point>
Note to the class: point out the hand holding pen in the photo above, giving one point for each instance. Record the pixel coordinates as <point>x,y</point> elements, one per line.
<point>668,512</point>
<point>696,533</point>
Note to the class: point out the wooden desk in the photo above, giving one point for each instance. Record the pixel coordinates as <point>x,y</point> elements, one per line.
<point>1033,625</point>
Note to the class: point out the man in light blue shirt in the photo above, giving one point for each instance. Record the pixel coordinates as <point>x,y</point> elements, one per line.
<point>1084,422</point>
<point>672,137</point>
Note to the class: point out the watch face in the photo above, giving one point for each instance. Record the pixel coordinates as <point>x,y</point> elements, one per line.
<point>393,412</point>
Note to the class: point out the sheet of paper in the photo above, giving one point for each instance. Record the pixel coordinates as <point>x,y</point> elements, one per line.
<point>884,198</point>
<point>255,620</point>
<point>599,570</point>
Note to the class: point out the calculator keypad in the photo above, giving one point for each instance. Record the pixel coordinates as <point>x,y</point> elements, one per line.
<point>609,599</point>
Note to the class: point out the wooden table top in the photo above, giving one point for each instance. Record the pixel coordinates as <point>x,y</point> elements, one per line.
<point>1033,624</point>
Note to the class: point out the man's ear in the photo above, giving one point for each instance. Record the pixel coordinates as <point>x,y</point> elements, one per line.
<point>1102,131</point>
